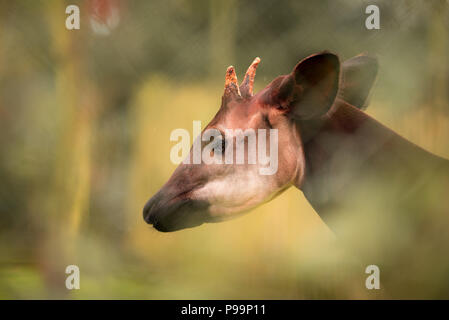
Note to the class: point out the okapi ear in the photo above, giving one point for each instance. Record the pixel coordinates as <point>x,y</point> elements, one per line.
<point>315,85</point>
<point>358,76</point>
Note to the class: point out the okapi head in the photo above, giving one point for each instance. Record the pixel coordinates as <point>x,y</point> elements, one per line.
<point>279,118</point>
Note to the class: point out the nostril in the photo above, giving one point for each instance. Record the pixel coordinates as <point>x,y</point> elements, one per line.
<point>152,207</point>
<point>147,216</point>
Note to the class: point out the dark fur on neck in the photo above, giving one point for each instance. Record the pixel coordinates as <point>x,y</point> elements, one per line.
<point>347,151</point>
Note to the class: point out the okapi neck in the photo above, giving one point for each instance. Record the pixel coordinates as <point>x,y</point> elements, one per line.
<point>350,151</point>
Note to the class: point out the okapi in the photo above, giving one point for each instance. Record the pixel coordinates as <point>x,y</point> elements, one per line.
<point>345,162</point>
<point>327,146</point>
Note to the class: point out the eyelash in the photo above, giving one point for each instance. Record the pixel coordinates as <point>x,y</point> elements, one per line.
<point>223,145</point>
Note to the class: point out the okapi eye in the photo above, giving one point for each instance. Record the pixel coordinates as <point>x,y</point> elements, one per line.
<point>219,146</point>
<point>280,107</point>
<point>223,146</point>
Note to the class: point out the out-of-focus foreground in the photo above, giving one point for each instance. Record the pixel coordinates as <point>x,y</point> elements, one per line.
<point>85,122</point>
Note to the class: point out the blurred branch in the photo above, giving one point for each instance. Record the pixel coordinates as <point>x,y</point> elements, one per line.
<point>69,189</point>
<point>438,52</point>
<point>223,19</point>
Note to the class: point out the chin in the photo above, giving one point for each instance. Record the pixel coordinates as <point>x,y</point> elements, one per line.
<point>177,215</point>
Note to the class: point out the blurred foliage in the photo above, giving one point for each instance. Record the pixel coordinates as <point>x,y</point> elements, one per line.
<point>85,119</point>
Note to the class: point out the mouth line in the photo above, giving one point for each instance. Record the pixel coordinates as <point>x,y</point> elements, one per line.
<point>182,196</point>
<point>151,219</point>
<point>183,214</point>
<point>186,193</point>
